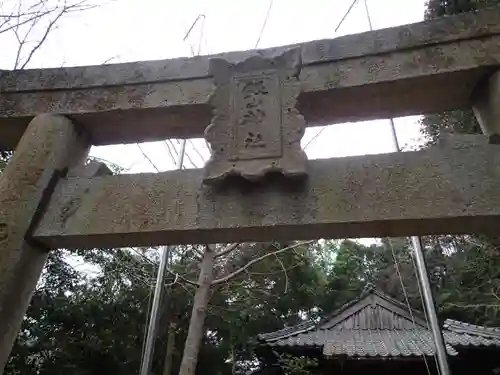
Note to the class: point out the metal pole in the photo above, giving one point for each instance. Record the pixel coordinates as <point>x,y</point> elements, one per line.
<point>437,334</point>
<point>423,276</point>
<point>158,294</point>
<point>153,320</point>
<point>430,306</point>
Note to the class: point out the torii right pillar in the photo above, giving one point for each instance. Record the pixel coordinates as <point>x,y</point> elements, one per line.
<point>486,106</point>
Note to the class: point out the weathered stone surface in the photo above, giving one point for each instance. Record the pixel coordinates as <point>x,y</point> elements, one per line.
<point>424,67</point>
<point>462,141</point>
<point>51,143</point>
<point>435,191</point>
<point>92,168</point>
<point>255,127</point>
<point>428,80</point>
<point>443,30</point>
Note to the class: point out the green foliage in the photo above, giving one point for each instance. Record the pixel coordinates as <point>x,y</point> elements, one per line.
<point>85,322</point>
<point>296,365</point>
<point>81,324</point>
<point>471,289</point>
<point>91,319</point>
<point>5,155</point>
<point>462,121</point>
<point>440,8</point>
<point>4,158</point>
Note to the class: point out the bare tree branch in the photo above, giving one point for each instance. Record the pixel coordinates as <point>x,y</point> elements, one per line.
<point>227,250</point>
<point>173,282</point>
<point>493,291</point>
<point>189,291</point>
<point>274,272</point>
<point>110,59</point>
<point>144,257</point>
<point>284,271</point>
<point>197,251</point>
<point>196,150</point>
<point>242,269</point>
<point>36,21</point>
<point>33,16</point>
<point>186,280</point>
<point>43,39</point>
<point>172,157</point>
<point>147,157</point>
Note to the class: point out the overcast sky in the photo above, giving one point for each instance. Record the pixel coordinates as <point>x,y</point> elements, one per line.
<point>132,30</point>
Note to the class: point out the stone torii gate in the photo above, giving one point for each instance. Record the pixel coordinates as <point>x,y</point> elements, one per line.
<point>253,108</point>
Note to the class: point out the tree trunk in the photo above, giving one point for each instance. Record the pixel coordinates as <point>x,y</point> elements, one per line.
<point>167,364</point>
<point>198,315</point>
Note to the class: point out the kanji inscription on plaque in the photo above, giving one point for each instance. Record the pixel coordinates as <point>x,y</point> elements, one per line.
<point>255,127</point>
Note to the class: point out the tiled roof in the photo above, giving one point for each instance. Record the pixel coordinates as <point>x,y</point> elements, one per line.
<point>472,329</point>
<point>383,343</point>
<point>480,336</point>
<point>377,325</point>
<point>288,331</point>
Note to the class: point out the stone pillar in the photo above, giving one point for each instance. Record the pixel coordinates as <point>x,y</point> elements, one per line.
<point>49,145</point>
<point>486,105</point>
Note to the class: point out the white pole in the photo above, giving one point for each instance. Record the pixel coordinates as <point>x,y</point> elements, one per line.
<point>155,307</point>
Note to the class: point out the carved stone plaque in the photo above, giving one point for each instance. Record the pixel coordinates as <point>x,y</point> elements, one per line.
<point>255,127</point>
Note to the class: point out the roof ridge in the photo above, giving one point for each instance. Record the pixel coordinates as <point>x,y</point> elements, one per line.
<point>458,326</point>
<point>288,331</point>
<point>395,301</point>
<point>367,290</point>
<point>306,326</point>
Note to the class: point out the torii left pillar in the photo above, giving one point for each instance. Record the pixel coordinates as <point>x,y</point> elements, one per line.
<point>49,147</point>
